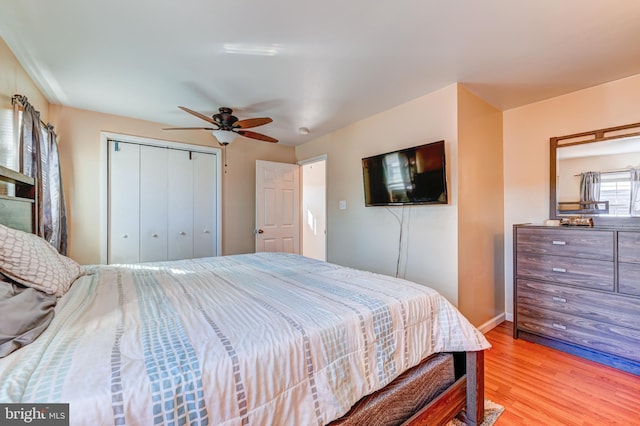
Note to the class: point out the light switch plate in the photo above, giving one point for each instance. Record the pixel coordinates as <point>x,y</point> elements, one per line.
<point>342,204</point>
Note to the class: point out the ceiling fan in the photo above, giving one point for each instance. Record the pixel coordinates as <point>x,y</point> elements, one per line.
<point>228,126</point>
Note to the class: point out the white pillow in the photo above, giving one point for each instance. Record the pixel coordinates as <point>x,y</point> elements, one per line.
<point>33,262</point>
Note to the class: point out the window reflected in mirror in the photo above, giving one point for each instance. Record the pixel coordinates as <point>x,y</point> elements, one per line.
<point>601,178</point>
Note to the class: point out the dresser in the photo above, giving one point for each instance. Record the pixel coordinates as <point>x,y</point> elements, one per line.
<point>578,290</point>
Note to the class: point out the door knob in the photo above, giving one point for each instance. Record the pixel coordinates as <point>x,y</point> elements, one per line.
<point>260,231</point>
<point>183,233</point>
<point>154,235</point>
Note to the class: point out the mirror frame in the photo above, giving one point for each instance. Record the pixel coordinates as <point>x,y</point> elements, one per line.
<point>593,136</point>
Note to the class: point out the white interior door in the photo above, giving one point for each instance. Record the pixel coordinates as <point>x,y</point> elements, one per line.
<point>204,205</point>
<point>124,198</point>
<point>153,203</point>
<point>277,207</point>
<point>180,201</point>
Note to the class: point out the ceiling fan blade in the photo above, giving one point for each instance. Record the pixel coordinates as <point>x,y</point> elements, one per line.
<point>254,135</point>
<point>190,128</point>
<point>197,114</point>
<point>252,122</point>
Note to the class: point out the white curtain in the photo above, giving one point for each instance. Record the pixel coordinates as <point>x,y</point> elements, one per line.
<point>590,187</point>
<point>39,159</point>
<point>634,207</point>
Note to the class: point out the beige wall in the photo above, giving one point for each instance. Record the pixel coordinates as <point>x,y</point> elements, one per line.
<point>456,249</point>
<point>368,237</point>
<point>526,149</point>
<point>79,144</point>
<point>480,209</point>
<point>14,80</point>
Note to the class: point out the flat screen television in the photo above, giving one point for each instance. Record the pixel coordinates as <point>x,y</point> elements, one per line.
<point>414,175</point>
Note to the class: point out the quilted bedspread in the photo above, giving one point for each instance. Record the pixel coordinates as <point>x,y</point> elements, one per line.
<point>260,339</point>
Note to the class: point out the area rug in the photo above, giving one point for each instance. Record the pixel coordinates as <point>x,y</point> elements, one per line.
<point>491,413</point>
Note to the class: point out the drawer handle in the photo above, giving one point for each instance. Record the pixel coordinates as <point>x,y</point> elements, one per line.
<point>559,326</point>
<point>559,270</point>
<point>559,299</point>
<point>559,243</point>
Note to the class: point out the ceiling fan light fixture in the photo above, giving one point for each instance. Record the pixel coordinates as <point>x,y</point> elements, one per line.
<point>225,137</point>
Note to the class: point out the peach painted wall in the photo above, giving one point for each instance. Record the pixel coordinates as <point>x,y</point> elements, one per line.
<point>368,237</point>
<point>480,209</point>
<point>79,144</point>
<point>526,149</point>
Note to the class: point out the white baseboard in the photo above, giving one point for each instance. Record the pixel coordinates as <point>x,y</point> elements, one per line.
<point>493,322</point>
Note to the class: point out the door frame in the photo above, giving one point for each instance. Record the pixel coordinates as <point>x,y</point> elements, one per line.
<point>104,180</point>
<point>316,159</point>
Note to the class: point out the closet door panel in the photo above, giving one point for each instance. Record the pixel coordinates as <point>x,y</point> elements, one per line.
<point>153,203</point>
<point>204,205</point>
<point>180,207</point>
<point>124,196</point>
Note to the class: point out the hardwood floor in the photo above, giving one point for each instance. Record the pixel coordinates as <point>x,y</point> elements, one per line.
<point>542,386</point>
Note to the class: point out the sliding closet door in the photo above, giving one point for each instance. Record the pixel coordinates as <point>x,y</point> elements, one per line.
<point>124,198</point>
<point>153,203</point>
<point>180,193</point>
<point>204,205</point>
<point>162,203</point>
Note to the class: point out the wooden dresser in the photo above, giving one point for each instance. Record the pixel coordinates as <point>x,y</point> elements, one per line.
<point>578,290</point>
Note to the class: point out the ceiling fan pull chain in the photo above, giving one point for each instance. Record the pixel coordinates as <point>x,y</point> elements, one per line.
<point>224,148</point>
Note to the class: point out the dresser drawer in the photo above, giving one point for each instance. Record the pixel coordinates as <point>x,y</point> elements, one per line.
<point>605,307</point>
<point>587,273</point>
<point>629,246</point>
<point>608,338</point>
<point>629,280</point>
<point>575,243</point>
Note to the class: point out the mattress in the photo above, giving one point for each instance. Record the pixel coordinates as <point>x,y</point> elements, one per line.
<point>250,339</point>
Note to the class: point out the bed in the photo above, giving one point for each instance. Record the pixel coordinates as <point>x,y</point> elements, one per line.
<point>265,338</point>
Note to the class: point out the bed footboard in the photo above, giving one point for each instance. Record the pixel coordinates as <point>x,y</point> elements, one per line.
<point>466,393</point>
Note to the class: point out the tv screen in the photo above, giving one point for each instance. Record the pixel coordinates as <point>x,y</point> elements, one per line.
<point>409,176</point>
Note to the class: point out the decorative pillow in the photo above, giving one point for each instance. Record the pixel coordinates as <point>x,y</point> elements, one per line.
<point>33,262</point>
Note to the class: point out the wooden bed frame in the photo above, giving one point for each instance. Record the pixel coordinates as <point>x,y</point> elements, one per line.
<point>466,393</point>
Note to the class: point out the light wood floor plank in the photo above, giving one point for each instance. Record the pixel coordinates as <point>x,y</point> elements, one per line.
<point>543,386</point>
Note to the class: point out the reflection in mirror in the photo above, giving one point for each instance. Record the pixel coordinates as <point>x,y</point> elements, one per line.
<point>597,178</point>
<point>597,174</point>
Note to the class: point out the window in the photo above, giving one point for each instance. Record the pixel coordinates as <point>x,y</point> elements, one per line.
<point>9,144</point>
<point>616,189</point>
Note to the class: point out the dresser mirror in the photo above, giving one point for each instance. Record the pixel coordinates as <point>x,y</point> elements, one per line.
<point>597,174</point>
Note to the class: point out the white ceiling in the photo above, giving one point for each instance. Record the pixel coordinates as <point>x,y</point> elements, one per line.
<point>331,62</point>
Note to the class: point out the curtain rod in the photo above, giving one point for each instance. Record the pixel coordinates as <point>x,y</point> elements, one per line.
<point>627,169</point>
<point>22,101</point>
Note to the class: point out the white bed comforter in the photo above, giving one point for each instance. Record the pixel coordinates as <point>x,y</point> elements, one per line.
<point>264,339</point>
